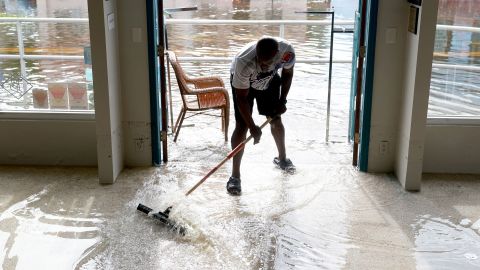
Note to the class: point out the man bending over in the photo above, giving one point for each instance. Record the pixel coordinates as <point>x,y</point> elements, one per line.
<point>254,76</point>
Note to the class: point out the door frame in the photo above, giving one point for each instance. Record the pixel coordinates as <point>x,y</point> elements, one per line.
<point>371,38</point>
<point>363,96</point>
<point>156,70</point>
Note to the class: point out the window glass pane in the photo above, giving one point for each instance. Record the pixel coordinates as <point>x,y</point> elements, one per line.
<point>311,42</point>
<point>454,89</point>
<point>44,56</point>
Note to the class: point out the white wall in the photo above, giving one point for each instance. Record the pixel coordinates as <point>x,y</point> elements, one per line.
<point>387,84</point>
<point>106,82</point>
<point>448,148</point>
<point>135,82</point>
<point>48,142</point>
<point>27,139</point>
<point>452,149</point>
<point>399,113</point>
<point>122,125</point>
<point>413,114</point>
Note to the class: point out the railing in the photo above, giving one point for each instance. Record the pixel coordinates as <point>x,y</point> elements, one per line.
<point>339,24</point>
<point>281,23</point>
<point>22,56</point>
<point>338,28</point>
<point>458,28</point>
<point>21,48</point>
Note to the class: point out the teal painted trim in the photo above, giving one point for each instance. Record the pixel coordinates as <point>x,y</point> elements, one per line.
<point>372,10</point>
<point>353,86</point>
<point>153,71</point>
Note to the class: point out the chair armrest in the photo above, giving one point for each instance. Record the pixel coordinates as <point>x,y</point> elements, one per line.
<point>207,82</point>
<point>210,90</point>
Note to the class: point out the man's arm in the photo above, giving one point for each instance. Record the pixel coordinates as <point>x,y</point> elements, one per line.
<point>287,75</point>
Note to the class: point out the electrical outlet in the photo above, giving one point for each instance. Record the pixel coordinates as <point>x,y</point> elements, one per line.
<point>384,147</point>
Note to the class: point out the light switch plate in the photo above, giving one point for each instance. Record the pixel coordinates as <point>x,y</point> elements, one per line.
<point>391,35</point>
<point>137,35</point>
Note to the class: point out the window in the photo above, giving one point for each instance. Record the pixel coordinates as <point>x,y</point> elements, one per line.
<point>454,90</point>
<point>45,56</point>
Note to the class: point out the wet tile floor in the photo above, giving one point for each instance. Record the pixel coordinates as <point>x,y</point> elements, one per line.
<point>325,216</point>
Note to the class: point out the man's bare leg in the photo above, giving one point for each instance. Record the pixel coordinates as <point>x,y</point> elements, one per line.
<point>278,133</point>
<point>238,136</point>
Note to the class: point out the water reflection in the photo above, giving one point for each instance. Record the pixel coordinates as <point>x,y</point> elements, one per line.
<point>25,229</point>
<point>442,244</point>
<point>327,216</point>
<point>456,92</point>
<point>18,7</point>
<point>241,9</point>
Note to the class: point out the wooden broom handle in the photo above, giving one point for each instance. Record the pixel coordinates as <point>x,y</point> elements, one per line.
<point>229,156</point>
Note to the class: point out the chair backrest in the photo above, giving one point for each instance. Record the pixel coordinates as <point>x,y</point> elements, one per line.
<point>182,78</point>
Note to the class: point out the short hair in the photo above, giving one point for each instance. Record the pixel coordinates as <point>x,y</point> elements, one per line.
<point>266,48</point>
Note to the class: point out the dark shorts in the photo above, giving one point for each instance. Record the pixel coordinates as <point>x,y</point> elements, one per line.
<point>267,100</point>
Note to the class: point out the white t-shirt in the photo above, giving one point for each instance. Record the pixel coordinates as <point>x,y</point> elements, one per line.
<point>247,72</point>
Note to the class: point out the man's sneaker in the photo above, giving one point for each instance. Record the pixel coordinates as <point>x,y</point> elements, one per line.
<point>285,165</point>
<point>234,186</point>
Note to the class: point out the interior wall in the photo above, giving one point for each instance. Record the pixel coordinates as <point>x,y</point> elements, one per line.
<point>106,82</point>
<point>135,82</point>
<point>452,149</point>
<point>387,84</point>
<point>413,115</point>
<point>38,139</point>
<point>121,132</point>
<point>446,148</point>
<point>48,142</point>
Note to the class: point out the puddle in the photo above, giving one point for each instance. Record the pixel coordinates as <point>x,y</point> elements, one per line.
<point>443,244</point>
<point>279,222</point>
<point>28,235</point>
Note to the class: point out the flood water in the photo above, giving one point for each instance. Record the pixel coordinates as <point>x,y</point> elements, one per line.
<point>42,38</point>
<point>326,216</point>
<point>309,94</point>
<point>453,91</point>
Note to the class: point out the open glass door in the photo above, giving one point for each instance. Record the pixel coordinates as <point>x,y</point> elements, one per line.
<point>158,108</point>
<point>362,80</point>
<point>356,65</point>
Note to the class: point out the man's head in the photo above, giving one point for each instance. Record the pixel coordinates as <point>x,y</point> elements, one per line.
<point>266,48</point>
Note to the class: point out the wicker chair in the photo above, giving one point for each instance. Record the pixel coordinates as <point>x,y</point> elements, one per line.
<point>208,93</point>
